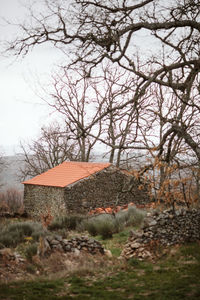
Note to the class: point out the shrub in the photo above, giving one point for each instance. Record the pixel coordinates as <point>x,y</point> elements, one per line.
<point>118,225</point>
<point>122,218</point>
<point>57,223</point>
<point>104,226</point>
<point>30,251</point>
<point>38,233</point>
<point>72,221</point>
<point>15,233</point>
<point>69,222</point>
<point>135,216</point>
<point>13,199</point>
<point>3,206</point>
<point>91,227</point>
<point>106,229</point>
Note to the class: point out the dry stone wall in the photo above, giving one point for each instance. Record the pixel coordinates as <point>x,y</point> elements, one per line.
<point>166,228</point>
<point>75,245</point>
<point>173,227</point>
<point>107,188</point>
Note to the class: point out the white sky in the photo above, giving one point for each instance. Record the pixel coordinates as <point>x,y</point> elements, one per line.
<point>22,113</point>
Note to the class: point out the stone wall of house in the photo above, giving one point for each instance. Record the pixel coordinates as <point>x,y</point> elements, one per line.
<point>38,200</point>
<point>106,188</point>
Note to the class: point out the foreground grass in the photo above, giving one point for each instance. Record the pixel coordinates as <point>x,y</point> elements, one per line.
<point>176,276</point>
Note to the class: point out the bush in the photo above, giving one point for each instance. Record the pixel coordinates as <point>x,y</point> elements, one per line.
<point>135,216</point>
<point>91,227</point>
<point>56,224</point>
<point>72,221</point>
<point>106,229</point>
<point>118,225</point>
<point>106,225</point>
<point>69,222</point>
<point>3,206</point>
<point>13,234</point>
<point>122,218</point>
<point>31,250</point>
<point>13,199</point>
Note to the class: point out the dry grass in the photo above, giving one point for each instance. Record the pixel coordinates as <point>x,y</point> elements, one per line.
<point>68,264</point>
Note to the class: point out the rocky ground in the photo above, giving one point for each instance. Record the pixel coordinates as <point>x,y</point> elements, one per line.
<point>54,254</point>
<point>14,267</point>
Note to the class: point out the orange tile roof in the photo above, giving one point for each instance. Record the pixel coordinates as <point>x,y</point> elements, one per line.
<point>67,173</point>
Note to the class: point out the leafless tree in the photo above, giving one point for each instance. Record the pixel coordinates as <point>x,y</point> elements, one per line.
<point>51,148</point>
<point>171,161</point>
<point>114,31</point>
<point>3,165</point>
<point>96,110</point>
<point>75,97</point>
<point>121,125</point>
<point>1,162</point>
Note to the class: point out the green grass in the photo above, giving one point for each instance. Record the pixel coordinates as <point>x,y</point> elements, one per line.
<point>116,244</point>
<point>32,290</point>
<point>176,276</point>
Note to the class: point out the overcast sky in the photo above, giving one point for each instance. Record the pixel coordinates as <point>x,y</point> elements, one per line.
<point>22,113</point>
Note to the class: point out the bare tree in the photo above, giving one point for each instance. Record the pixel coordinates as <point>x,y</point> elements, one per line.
<point>1,162</point>
<point>171,163</point>
<point>75,97</point>
<point>114,30</point>
<point>96,110</point>
<point>121,125</point>
<point>3,166</point>
<point>51,148</point>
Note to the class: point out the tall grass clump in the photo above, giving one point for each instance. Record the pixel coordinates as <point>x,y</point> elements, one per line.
<point>13,234</point>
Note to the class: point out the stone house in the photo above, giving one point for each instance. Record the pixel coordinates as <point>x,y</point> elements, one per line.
<point>78,187</point>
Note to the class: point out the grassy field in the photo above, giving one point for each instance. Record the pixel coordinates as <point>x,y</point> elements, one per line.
<point>175,276</point>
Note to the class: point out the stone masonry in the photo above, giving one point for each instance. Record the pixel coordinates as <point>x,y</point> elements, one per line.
<point>39,200</point>
<point>167,228</point>
<point>106,188</point>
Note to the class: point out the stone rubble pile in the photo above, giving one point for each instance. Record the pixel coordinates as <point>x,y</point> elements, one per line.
<point>51,243</point>
<point>166,228</point>
<point>6,254</point>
